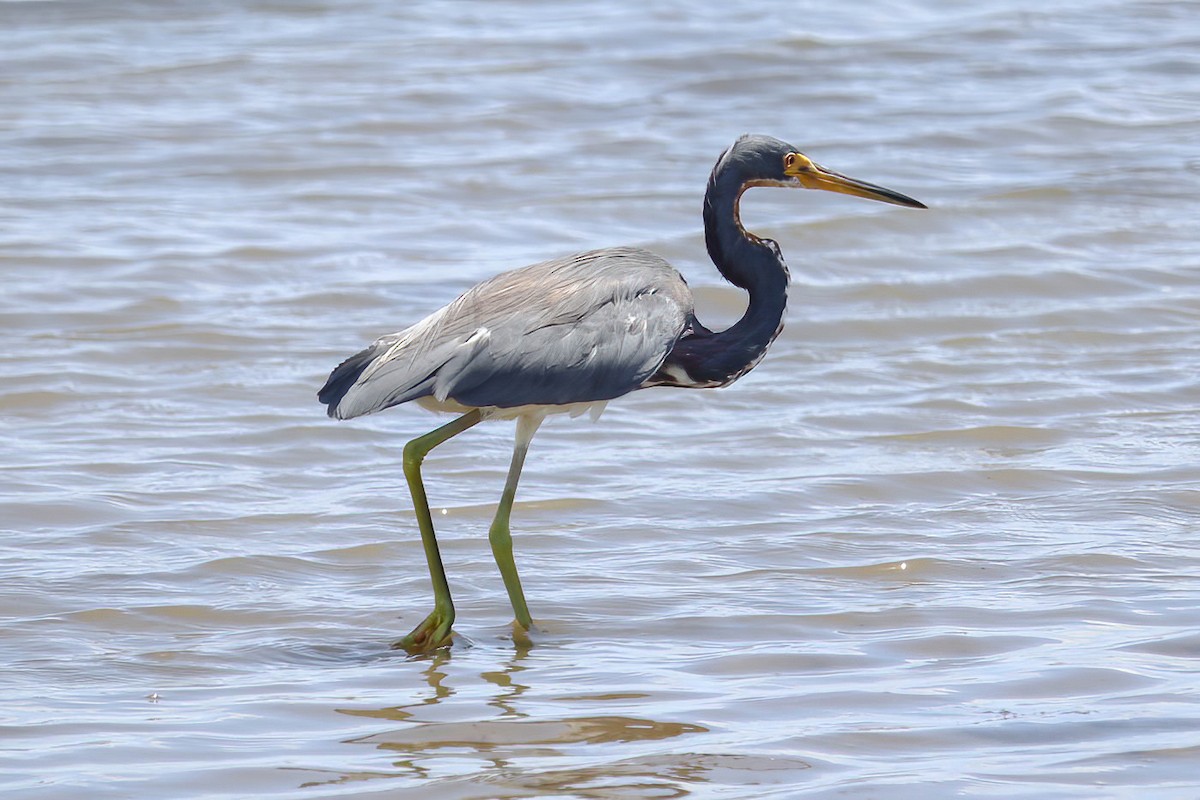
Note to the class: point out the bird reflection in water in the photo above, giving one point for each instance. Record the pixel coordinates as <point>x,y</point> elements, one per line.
<point>494,750</point>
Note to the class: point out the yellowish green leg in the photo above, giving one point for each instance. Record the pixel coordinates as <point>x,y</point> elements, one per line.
<point>435,630</point>
<point>499,535</point>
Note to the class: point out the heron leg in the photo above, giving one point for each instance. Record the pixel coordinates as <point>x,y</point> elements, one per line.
<point>499,535</point>
<point>435,630</point>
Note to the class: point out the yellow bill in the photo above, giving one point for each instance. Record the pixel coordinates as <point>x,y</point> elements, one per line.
<point>812,175</point>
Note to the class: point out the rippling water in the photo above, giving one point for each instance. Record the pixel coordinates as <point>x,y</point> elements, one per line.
<point>942,542</point>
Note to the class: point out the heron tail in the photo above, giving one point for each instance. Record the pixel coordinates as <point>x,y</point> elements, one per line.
<point>342,380</point>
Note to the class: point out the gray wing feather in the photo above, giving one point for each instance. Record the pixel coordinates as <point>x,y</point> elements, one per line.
<point>585,328</point>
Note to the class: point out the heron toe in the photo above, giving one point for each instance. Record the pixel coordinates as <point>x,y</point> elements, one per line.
<point>432,633</point>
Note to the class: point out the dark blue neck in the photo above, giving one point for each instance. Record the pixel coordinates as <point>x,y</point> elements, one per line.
<point>751,263</point>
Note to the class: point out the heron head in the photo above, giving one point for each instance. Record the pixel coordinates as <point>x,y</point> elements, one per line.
<point>763,161</point>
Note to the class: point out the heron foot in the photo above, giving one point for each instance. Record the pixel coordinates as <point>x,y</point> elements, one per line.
<point>521,635</point>
<point>432,633</point>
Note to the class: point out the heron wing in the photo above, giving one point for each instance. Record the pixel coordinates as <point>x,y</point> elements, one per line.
<point>585,328</point>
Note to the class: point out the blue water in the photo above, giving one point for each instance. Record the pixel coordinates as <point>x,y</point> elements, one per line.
<point>940,543</point>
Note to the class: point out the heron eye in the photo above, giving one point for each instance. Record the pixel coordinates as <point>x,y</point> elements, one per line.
<point>789,160</point>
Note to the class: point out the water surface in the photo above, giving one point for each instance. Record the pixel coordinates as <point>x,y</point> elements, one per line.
<point>941,543</point>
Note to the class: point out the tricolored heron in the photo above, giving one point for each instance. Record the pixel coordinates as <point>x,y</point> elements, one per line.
<point>573,333</point>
